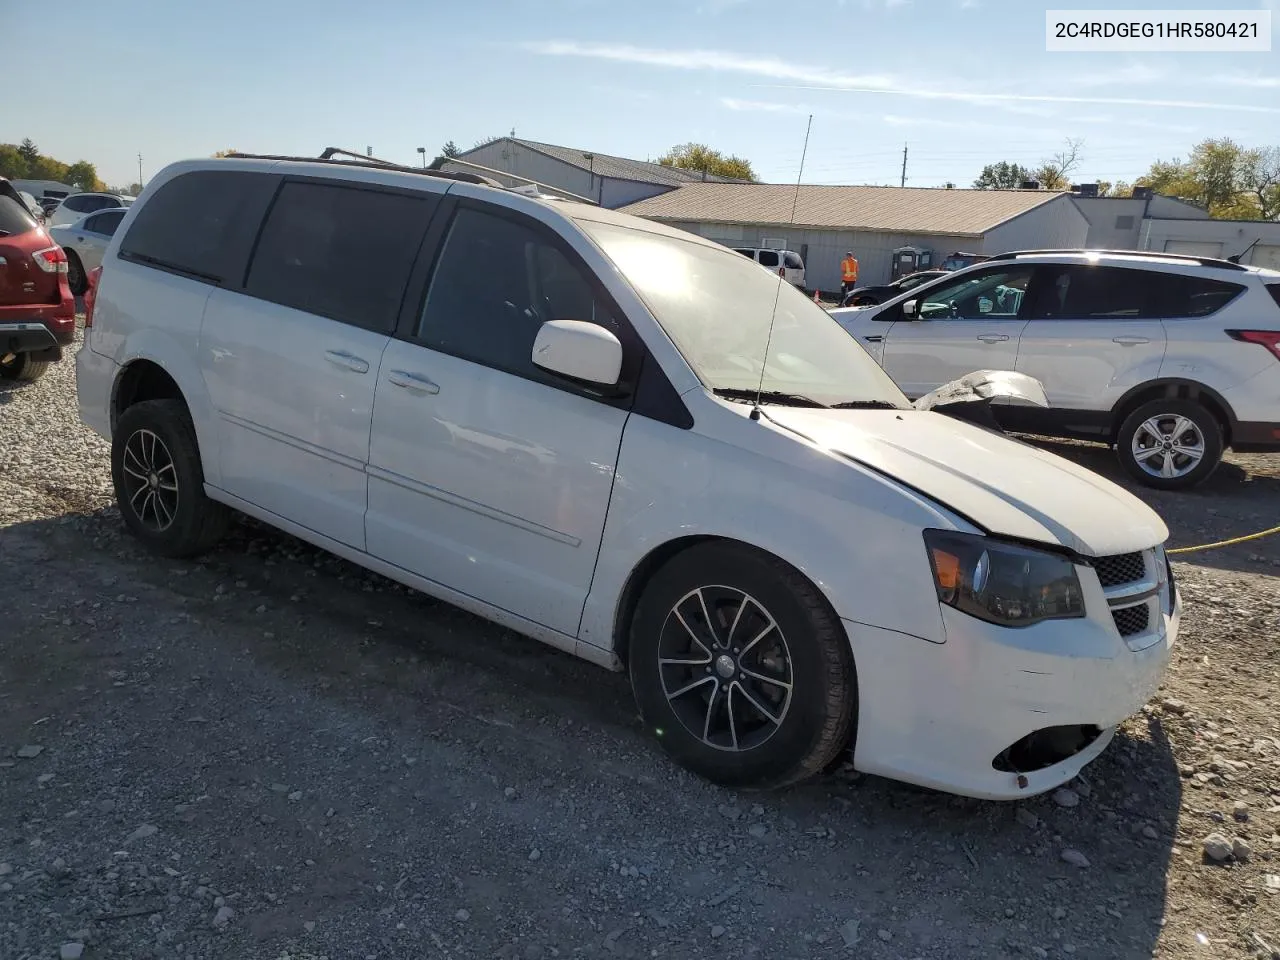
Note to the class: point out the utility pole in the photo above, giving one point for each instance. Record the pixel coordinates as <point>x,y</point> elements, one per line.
<point>139,169</point>
<point>904,166</point>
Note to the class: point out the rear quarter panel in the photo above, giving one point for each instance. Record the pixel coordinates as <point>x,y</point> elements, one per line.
<point>147,314</point>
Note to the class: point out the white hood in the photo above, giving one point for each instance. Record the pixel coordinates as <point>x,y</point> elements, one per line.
<point>1005,486</point>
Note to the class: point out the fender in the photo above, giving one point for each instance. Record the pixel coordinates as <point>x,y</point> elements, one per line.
<point>820,513</point>
<point>179,361</point>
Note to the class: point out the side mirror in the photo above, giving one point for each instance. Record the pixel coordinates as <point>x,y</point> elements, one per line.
<point>911,310</point>
<point>579,350</point>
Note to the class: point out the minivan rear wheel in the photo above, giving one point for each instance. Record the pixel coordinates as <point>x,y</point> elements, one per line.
<point>159,481</point>
<point>1170,444</point>
<point>741,668</point>
<point>20,368</point>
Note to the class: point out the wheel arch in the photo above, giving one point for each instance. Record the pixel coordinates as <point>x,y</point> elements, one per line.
<point>1174,388</point>
<point>653,561</point>
<point>153,365</point>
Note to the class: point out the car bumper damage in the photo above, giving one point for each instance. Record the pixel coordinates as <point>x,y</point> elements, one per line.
<point>999,713</point>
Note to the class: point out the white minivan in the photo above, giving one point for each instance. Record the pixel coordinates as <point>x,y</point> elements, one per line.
<point>629,443</point>
<point>785,263</point>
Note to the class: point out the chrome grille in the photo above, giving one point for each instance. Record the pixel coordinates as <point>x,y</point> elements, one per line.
<point>1121,569</point>
<point>1131,620</point>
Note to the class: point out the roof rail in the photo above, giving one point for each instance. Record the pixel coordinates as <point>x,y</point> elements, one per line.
<point>363,160</point>
<point>552,191</point>
<point>1217,262</point>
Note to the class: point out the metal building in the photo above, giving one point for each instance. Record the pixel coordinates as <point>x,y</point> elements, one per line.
<point>821,223</point>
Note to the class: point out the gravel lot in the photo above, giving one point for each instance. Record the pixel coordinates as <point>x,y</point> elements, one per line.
<point>272,754</point>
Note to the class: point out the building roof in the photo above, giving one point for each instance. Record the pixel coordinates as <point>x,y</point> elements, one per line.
<point>618,168</point>
<point>884,209</point>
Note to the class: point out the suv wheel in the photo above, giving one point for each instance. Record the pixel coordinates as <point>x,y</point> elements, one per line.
<point>741,668</point>
<point>21,368</point>
<point>1170,444</point>
<point>159,482</point>
<point>77,279</point>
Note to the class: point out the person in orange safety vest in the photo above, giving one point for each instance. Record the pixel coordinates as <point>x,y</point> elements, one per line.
<point>848,273</point>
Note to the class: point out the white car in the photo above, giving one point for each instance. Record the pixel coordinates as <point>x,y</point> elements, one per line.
<point>79,205</point>
<point>546,413</point>
<point>1171,359</point>
<point>785,263</point>
<point>85,242</point>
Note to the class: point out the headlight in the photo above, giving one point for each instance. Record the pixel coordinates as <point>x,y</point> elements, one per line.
<point>1001,582</point>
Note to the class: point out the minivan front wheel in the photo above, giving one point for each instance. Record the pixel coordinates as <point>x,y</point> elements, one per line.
<point>740,668</point>
<point>1170,444</point>
<point>159,481</point>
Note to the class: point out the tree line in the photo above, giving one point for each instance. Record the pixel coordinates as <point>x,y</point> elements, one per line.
<point>24,161</point>
<point>1229,180</point>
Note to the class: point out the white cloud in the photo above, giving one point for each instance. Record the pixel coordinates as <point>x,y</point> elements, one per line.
<point>806,77</point>
<point>1133,73</point>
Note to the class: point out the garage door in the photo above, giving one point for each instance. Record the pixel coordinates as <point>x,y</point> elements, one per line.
<point>1193,248</point>
<point>1266,255</point>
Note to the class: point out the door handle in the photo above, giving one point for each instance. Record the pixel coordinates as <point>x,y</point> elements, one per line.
<point>1129,341</point>
<point>992,337</point>
<point>874,338</point>
<point>347,361</point>
<point>413,382</point>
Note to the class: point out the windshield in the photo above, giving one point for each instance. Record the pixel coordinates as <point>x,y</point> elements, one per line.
<point>715,306</point>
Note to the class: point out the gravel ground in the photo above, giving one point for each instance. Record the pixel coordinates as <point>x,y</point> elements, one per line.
<point>272,754</point>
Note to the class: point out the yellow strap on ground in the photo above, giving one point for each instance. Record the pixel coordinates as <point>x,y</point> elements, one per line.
<point>1226,543</point>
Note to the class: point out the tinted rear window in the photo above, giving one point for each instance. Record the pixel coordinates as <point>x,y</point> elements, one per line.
<point>1197,296</point>
<point>340,252</point>
<point>1274,290</point>
<point>201,224</point>
<point>768,258</point>
<point>77,204</point>
<point>15,218</point>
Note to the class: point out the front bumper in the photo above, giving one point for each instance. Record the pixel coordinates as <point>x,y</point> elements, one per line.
<point>939,715</point>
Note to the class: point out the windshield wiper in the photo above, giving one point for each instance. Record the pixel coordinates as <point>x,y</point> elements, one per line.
<point>768,396</point>
<point>865,405</point>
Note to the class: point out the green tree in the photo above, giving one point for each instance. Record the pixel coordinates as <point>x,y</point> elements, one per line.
<point>30,152</point>
<point>224,153</point>
<point>1002,176</point>
<point>700,157</point>
<point>83,175</point>
<point>1220,175</point>
<point>450,149</point>
<point>1260,179</point>
<point>12,163</point>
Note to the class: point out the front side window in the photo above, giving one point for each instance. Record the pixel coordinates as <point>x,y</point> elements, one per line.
<point>340,252</point>
<point>77,204</point>
<point>495,283</point>
<point>977,296</point>
<point>720,313</point>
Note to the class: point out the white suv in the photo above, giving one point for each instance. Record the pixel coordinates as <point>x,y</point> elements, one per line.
<point>785,263</point>
<point>546,413</point>
<point>79,205</point>
<point>1171,359</point>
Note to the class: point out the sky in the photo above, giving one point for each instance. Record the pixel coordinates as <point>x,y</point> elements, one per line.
<point>959,83</point>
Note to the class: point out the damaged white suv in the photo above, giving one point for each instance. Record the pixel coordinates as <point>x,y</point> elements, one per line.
<point>631,444</point>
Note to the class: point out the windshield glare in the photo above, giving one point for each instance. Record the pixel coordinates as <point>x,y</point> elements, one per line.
<point>716,306</point>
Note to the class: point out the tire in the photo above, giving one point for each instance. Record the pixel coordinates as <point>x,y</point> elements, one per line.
<point>77,279</point>
<point>1186,426</point>
<point>154,449</point>
<point>22,369</point>
<point>790,733</point>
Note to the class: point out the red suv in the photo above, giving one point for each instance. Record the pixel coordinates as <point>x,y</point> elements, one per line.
<point>37,310</point>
